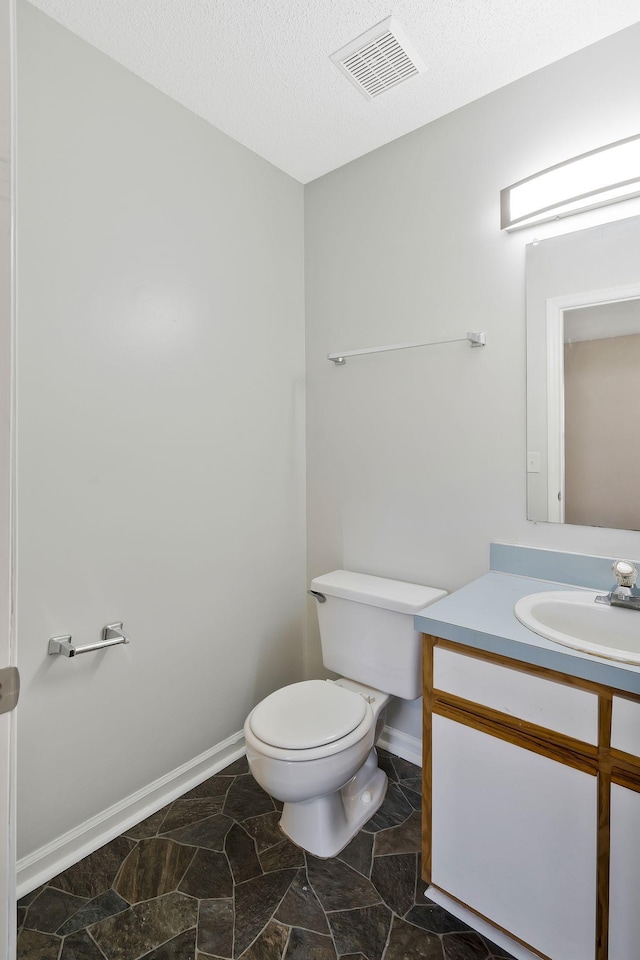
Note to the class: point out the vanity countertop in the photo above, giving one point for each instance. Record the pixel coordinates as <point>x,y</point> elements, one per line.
<point>481,615</point>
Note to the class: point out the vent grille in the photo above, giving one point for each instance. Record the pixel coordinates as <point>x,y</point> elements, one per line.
<point>378,60</point>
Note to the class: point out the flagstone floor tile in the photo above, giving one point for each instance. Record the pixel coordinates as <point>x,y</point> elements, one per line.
<point>211,877</point>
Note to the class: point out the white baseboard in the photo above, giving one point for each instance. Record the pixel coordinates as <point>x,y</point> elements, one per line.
<point>50,860</point>
<point>58,855</point>
<point>402,745</point>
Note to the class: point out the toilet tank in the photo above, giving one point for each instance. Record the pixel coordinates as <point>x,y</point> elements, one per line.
<point>366,630</point>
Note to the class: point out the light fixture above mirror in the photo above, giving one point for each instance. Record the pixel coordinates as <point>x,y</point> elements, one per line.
<point>602,176</point>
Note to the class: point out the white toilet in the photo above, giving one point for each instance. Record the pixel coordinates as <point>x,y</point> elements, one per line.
<point>312,744</point>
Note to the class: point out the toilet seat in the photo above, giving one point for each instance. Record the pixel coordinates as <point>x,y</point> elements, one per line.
<point>307,714</point>
<point>308,720</point>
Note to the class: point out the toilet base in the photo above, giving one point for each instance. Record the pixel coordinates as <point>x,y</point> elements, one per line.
<point>326,825</point>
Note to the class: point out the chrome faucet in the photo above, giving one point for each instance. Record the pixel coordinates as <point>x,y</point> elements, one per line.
<point>626,574</point>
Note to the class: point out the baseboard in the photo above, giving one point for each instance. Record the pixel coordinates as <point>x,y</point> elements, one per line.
<point>58,855</point>
<point>402,745</point>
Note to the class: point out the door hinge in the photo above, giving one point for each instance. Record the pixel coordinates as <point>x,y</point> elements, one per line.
<point>9,689</point>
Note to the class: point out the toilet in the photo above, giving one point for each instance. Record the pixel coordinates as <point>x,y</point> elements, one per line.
<point>311,744</point>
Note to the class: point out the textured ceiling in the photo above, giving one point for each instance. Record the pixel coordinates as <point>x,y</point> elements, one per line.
<point>260,70</point>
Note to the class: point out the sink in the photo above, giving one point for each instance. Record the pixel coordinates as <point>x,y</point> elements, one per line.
<point>574,619</point>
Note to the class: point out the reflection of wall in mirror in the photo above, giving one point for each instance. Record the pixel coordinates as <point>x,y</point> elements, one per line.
<point>602,448</point>
<point>575,277</point>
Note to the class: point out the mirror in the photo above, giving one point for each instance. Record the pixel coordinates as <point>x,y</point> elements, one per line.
<point>583,377</point>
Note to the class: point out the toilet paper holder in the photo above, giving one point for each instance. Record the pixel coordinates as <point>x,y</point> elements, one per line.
<point>112,635</point>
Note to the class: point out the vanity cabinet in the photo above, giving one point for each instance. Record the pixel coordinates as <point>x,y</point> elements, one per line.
<point>624,890</point>
<point>624,871</point>
<point>532,801</point>
<point>508,829</point>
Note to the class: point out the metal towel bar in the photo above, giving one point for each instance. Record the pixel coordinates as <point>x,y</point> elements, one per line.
<point>112,635</point>
<point>475,339</point>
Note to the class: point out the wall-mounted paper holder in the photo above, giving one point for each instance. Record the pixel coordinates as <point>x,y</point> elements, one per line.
<point>112,635</point>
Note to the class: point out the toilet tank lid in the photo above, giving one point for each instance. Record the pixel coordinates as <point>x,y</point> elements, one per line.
<point>394,595</point>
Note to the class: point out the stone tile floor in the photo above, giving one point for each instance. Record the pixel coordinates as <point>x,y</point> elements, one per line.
<point>211,876</point>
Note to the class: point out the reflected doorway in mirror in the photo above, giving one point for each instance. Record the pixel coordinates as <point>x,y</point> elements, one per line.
<point>583,377</point>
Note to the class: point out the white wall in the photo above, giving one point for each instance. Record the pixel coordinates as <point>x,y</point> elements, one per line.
<point>416,459</point>
<point>161,425</point>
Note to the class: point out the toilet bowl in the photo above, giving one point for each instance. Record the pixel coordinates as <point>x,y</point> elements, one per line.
<point>311,744</point>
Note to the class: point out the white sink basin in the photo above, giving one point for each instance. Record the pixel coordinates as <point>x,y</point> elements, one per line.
<point>574,619</point>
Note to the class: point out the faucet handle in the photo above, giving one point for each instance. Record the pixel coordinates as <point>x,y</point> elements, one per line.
<point>625,573</point>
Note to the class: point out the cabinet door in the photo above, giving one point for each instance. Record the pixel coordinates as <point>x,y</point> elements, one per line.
<point>625,726</point>
<point>514,838</point>
<point>624,878</point>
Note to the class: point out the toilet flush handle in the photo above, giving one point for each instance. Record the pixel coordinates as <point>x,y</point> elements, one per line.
<point>320,597</point>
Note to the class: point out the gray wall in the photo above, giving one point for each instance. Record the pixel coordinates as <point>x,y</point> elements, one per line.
<point>160,424</point>
<point>416,459</point>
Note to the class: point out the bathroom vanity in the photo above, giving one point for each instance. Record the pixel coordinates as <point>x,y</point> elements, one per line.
<point>531,792</point>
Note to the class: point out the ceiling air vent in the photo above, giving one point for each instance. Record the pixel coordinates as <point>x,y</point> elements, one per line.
<point>380,59</point>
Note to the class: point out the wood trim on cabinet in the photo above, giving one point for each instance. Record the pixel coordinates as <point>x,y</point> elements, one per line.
<point>603,841</point>
<point>625,762</point>
<point>626,778</point>
<point>565,750</point>
<point>626,694</point>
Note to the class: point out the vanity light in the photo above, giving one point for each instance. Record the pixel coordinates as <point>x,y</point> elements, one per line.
<point>605,175</point>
